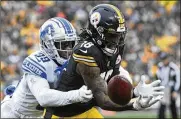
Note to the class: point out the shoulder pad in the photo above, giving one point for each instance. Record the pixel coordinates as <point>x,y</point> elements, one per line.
<point>85,53</point>
<point>34,64</point>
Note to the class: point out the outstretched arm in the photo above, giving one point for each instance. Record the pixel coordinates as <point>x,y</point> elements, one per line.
<point>93,80</point>
<point>50,97</point>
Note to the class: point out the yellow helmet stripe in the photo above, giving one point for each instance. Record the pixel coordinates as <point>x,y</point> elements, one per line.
<point>81,56</point>
<point>121,20</point>
<point>87,63</point>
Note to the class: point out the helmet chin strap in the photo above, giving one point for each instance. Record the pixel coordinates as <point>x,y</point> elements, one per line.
<point>99,41</point>
<point>61,60</point>
<point>53,54</point>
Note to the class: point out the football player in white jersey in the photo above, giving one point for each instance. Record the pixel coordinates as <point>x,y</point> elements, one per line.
<point>41,71</point>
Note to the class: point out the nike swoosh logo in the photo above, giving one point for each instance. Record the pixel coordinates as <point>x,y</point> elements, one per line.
<point>84,51</point>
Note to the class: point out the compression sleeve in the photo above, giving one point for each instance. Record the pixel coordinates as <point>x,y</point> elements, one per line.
<point>50,97</point>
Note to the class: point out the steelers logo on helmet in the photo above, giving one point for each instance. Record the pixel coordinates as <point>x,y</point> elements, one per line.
<point>107,25</point>
<point>95,19</point>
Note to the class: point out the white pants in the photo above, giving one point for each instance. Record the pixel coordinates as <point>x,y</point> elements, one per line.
<point>8,112</point>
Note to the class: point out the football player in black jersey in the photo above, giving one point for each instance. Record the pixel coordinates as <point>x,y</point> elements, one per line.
<point>94,61</point>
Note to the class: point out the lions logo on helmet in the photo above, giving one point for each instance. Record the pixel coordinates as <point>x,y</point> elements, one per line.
<point>57,35</point>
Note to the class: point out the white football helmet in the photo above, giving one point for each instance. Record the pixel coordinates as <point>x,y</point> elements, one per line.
<point>57,35</point>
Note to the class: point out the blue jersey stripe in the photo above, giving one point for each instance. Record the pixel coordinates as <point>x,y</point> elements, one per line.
<point>37,63</point>
<point>27,70</point>
<point>30,67</point>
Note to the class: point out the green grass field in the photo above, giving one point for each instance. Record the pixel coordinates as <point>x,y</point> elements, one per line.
<point>138,114</point>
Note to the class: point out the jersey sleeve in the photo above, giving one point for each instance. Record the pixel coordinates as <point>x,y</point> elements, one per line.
<point>32,66</point>
<point>85,55</point>
<point>47,97</point>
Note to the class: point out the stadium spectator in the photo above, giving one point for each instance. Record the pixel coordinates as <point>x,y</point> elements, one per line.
<point>169,73</point>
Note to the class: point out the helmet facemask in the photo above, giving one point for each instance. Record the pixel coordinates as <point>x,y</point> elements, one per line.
<point>109,41</point>
<point>59,49</point>
<point>58,37</point>
<point>108,28</point>
<point>64,48</point>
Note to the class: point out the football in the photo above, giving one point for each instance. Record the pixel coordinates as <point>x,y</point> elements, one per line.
<point>120,90</point>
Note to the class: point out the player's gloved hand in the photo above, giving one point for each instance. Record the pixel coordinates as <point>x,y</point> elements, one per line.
<point>85,95</point>
<point>9,90</point>
<point>145,90</point>
<point>142,103</point>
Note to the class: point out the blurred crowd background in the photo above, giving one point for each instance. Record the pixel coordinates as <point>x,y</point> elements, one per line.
<point>153,27</point>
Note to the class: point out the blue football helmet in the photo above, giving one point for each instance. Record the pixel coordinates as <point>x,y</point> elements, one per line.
<point>57,38</point>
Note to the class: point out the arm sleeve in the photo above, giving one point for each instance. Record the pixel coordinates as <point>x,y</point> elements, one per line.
<point>50,97</point>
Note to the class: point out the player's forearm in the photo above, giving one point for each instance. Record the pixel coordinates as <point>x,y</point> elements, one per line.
<point>106,103</point>
<point>50,97</point>
<point>98,86</point>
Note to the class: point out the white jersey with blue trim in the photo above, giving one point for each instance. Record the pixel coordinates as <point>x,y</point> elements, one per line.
<point>40,65</point>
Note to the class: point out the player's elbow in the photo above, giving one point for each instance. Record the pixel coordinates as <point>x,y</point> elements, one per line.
<point>43,104</point>
<point>42,99</point>
<point>103,106</point>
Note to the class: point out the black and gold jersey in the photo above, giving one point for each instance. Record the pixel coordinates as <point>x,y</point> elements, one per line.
<point>88,53</point>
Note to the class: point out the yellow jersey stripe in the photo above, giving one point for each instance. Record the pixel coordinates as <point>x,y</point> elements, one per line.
<point>81,56</point>
<point>87,63</point>
<point>121,20</point>
<point>82,59</point>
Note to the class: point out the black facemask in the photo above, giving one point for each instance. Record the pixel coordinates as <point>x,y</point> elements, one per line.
<point>64,48</point>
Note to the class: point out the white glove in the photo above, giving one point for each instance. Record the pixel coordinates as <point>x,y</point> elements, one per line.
<point>146,90</point>
<point>85,95</point>
<point>142,103</point>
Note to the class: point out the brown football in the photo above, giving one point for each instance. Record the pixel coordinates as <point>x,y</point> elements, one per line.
<point>120,90</point>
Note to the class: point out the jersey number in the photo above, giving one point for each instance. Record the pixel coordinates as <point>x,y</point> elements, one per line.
<point>41,57</point>
<point>87,44</point>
